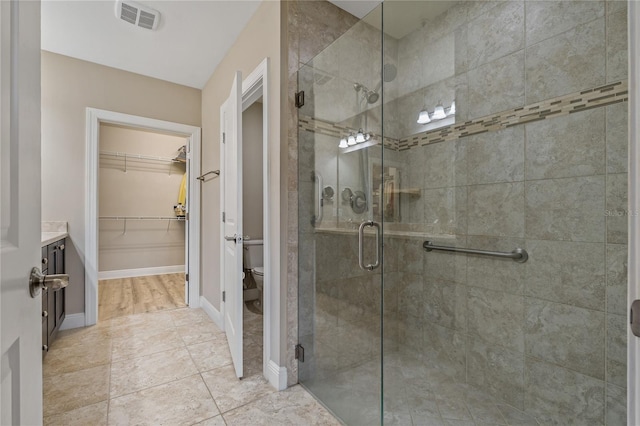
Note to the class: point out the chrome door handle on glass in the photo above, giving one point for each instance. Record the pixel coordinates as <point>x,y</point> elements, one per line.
<point>369,267</point>
<point>318,217</point>
<point>38,281</point>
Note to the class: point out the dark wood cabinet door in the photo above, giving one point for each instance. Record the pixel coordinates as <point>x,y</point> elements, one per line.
<point>60,311</point>
<point>45,337</point>
<point>45,322</point>
<point>51,313</point>
<point>60,294</point>
<point>45,260</point>
<point>59,256</point>
<point>53,302</point>
<point>51,258</point>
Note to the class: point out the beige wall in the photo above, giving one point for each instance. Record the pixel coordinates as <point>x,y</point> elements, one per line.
<point>148,188</point>
<point>259,40</point>
<point>252,170</point>
<point>69,86</point>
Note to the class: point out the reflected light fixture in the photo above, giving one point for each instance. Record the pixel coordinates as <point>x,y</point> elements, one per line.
<point>423,117</point>
<point>351,140</point>
<point>438,113</point>
<point>360,137</point>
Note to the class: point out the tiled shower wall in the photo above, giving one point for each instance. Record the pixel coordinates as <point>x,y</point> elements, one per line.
<point>547,336</point>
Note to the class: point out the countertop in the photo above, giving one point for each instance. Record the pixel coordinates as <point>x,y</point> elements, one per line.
<point>52,237</point>
<point>53,231</point>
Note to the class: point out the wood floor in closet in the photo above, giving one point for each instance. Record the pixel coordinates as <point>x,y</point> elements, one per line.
<point>127,296</point>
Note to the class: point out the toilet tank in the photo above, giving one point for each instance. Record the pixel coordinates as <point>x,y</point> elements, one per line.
<point>253,254</point>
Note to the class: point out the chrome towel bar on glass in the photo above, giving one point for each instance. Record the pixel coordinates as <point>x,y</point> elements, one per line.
<point>214,172</point>
<point>518,255</point>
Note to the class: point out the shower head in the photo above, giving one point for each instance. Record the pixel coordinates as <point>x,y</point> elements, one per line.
<point>389,73</point>
<point>372,97</point>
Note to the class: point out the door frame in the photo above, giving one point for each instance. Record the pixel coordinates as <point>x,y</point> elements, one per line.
<point>95,117</point>
<point>633,345</point>
<point>254,86</point>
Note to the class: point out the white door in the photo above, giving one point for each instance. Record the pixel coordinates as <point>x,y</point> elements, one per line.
<point>231,123</point>
<point>20,314</point>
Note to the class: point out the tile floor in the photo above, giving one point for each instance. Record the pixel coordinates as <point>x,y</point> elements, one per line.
<point>169,367</point>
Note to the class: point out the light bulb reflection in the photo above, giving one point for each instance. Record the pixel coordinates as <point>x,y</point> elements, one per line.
<point>423,117</point>
<point>439,113</point>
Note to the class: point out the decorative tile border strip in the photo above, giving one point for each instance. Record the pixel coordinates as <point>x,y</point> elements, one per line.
<point>556,107</point>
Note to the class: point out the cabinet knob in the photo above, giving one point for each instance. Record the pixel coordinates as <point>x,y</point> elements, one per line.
<point>45,314</point>
<point>45,347</point>
<point>61,246</point>
<point>45,260</point>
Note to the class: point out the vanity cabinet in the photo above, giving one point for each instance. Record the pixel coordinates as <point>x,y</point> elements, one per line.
<point>53,302</point>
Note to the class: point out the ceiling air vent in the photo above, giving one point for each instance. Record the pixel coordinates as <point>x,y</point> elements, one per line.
<point>137,14</point>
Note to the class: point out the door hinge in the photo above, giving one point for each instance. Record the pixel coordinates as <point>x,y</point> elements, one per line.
<point>186,217</point>
<point>224,296</point>
<point>299,352</point>
<point>300,99</point>
<point>223,216</point>
<point>186,277</point>
<point>224,137</point>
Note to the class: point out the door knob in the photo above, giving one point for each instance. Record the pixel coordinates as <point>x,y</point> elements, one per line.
<point>38,281</point>
<point>237,239</point>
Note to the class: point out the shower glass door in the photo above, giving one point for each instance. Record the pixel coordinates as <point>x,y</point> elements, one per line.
<point>490,130</point>
<point>340,208</point>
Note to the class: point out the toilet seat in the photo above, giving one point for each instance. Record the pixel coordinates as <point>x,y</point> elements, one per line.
<point>258,270</point>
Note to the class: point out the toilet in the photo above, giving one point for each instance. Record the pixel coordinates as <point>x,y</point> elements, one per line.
<point>254,255</point>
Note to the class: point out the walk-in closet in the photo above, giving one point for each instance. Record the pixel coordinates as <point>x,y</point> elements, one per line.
<point>142,229</point>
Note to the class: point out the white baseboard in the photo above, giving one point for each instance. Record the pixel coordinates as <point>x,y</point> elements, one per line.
<point>140,272</point>
<point>277,376</point>
<point>73,321</point>
<point>213,313</point>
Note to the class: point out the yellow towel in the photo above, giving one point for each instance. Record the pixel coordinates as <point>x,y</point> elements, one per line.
<point>182,195</point>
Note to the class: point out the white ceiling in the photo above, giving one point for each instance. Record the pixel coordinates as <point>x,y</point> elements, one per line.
<point>358,8</point>
<point>190,41</point>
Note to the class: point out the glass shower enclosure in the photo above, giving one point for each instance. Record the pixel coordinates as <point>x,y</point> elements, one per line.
<point>462,239</point>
